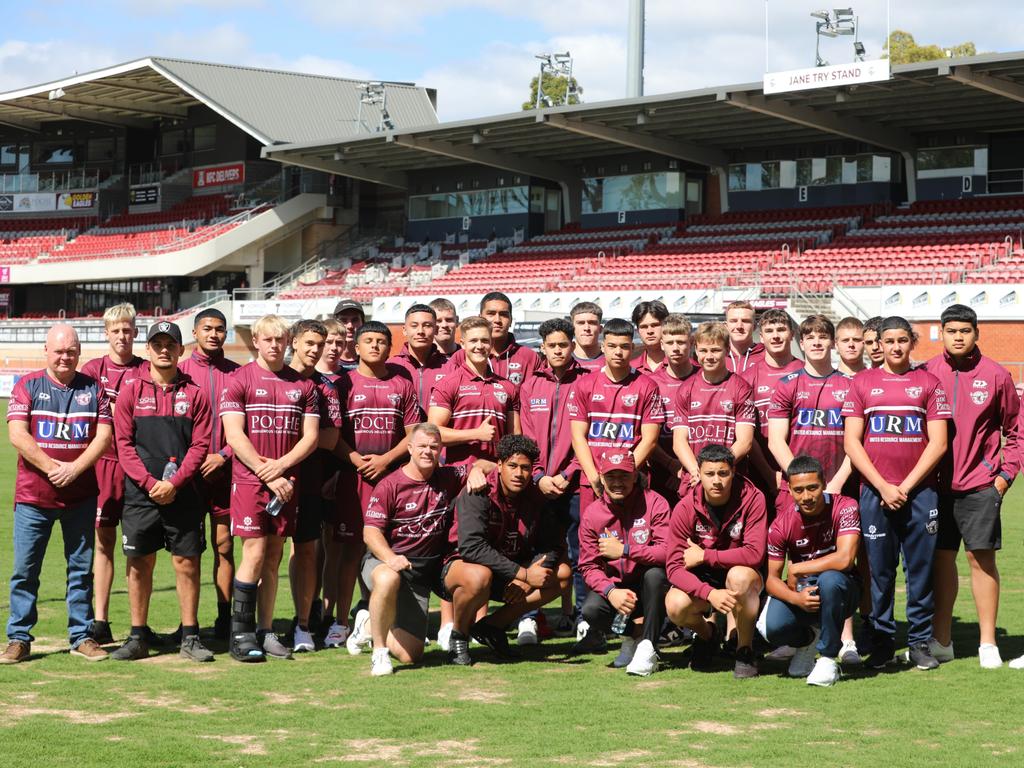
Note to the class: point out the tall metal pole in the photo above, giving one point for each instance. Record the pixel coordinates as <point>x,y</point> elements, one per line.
<point>635,50</point>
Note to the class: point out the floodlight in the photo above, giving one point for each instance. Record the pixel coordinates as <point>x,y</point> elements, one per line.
<point>841,12</point>
<point>859,49</point>
<point>56,94</point>
<point>823,15</point>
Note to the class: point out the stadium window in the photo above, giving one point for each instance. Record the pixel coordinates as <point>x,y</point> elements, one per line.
<point>536,199</point>
<point>8,154</point>
<point>737,178</point>
<point>833,170</point>
<point>648,165</point>
<point>101,150</point>
<point>945,159</point>
<point>172,142</point>
<point>881,168</point>
<point>54,153</point>
<point>864,169</point>
<point>204,137</point>
<point>787,174</point>
<point>673,165</point>
<point>633,192</point>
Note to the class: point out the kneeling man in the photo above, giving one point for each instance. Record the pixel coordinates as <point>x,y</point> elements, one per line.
<point>622,559</point>
<point>716,546</point>
<point>509,549</point>
<point>820,533</point>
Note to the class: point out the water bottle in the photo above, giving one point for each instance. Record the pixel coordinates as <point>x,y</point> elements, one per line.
<point>619,624</point>
<point>275,505</point>
<point>170,468</point>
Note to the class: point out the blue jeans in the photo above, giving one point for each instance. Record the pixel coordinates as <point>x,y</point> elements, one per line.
<point>572,541</point>
<point>910,532</point>
<point>783,624</point>
<point>32,528</point>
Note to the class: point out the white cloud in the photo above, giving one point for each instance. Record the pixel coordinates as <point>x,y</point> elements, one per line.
<point>222,44</point>
<point>23,63</point>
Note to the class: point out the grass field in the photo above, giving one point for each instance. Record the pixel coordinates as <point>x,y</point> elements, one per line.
<point>548,709</point>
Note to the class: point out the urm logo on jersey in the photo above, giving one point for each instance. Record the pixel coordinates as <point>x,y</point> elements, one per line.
<point>609,430</point>
<point>59,430</point>
<point>895,425</point>
<point>819,417</point>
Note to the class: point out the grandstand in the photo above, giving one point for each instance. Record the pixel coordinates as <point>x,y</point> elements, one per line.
<point>831,199</point>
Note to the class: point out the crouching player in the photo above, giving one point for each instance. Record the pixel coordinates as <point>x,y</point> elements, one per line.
<point>508,550</point>
<point>819,532</point>
<point>716,545</point>
<point>406,524</point>
<point>622,558</point>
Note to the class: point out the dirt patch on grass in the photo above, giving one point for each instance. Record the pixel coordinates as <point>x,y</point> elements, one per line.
<point>249,744</point>
<point>780,712</point>
<point>15,713</point>
<point>718,729</point>
<point>618,758</point>
<point>651,685</point>
<point>457,753</point>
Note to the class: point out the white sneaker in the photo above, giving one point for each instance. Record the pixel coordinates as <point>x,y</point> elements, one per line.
<point>988,656</point>
<point>380,663</point>
<point>627,652</point>
<point>825,673</point>
<point>802,662</point>
<point>782,653</point>
<point>645,659</point>
<point>583,627</point>
<point>849,654</point>
<point>303,641</point>
<point>360,638</point>
<point>527,632</point>
<point>444,636</point>
<point>336,636</point>
<point>1017,663</point>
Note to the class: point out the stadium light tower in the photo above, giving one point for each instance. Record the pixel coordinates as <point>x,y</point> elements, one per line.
<point>557,64</point>
<point>635,51</point>
<point>370,94</point>
<point>838,21</point>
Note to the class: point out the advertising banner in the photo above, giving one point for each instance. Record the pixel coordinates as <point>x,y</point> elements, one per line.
<point>28,203</point>
<point>75,201</point>
<point>144,195</point>
<point>218,176</point>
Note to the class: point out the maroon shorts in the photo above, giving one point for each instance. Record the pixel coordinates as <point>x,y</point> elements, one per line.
<point>350,499</point>
<point>110,500</point>
<point>249,518</point>
<point>217,495</point>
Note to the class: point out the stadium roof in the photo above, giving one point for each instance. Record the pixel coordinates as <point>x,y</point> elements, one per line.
<point>271,106</point>
<point>706,127</point>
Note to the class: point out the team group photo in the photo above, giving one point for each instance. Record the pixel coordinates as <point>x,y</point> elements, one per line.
<point>345,425</point>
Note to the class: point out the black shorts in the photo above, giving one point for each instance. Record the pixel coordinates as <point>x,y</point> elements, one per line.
<point>181,531</point>
<point>714,577</point>
<point>497,588</point>
<point>972,517</point>
<point>309,521</point>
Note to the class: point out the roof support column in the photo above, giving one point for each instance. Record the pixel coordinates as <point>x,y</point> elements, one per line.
<point>722,172</point>
<point>572,199</point>
<point>910,174</point>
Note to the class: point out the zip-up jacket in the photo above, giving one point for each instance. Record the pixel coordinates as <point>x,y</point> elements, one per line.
<point>543,418</point>
<point>502,533</point>
<point>422,375</point>
<point>153,424</point>
<point>985,408</point>
<point>739,363</point>
<point>211,375</point>
<point>515,363</point>
<point>740,539</point>
<point>640,523</point>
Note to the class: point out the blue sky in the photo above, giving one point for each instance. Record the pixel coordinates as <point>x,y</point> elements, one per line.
<point>477,53</point>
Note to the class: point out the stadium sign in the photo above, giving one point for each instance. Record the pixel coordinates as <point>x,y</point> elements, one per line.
<point>827,77</point>
<point>992,301</point>
<point>218,176</point>
<point>28,203</point>
<point>74,201</point>
<point>144,195</point>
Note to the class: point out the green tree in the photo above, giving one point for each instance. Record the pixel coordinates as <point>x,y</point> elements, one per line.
<point>555,87</point>
<point>903,49</point>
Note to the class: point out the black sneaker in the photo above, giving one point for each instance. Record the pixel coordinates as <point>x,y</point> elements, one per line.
<point>673,636</point>
<point>458,650</point>
<point>746,665</point>
<point>882,649</point>
<point>134,648</point>
<point>592,642</point>
<point>175,637</point>
<point>729,646</point>
<point>865,636</point>
<point>493,637</point>
<point>160,641</point>
<point>222,627</point>
<point>245,648</point>
<point>100,632</point>
<point>193,650</point>
<point>703,652</point>
<point>921,656</point>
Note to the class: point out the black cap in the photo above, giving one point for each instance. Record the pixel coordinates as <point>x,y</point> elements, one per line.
<point>164,327</point>
<point>349,304</point>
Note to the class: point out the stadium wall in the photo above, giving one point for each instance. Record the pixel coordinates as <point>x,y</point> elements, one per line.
<point>999,340</point>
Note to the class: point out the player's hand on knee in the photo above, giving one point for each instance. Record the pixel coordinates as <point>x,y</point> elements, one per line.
<point>722,600</point>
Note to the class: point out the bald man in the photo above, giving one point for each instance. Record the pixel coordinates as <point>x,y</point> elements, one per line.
<point>60,424</point>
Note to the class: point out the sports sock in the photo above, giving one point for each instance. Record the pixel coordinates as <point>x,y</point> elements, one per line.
<point>190,630</point>
<point>139,631</point>
<point>224,610</point>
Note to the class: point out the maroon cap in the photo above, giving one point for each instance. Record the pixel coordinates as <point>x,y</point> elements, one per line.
<point>612,460</point>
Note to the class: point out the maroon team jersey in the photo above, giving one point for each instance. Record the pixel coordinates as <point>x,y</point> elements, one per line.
<point>614,411</point>
<point>590,363</point>
<point>111,375</point>
<point>415,515</point>
<point>515,363</point>
<point>422,375</point>
<point>471,398</point>
<point>801,539</point>
<point>274,406</point>
<point>813,405</point>
<point>710,412</point>
<point>63,421</point>
<point>763,380</point>
<point>311,472</point>
<point>376,411</point>
<point>896,408</point>
<point>667,388</point>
